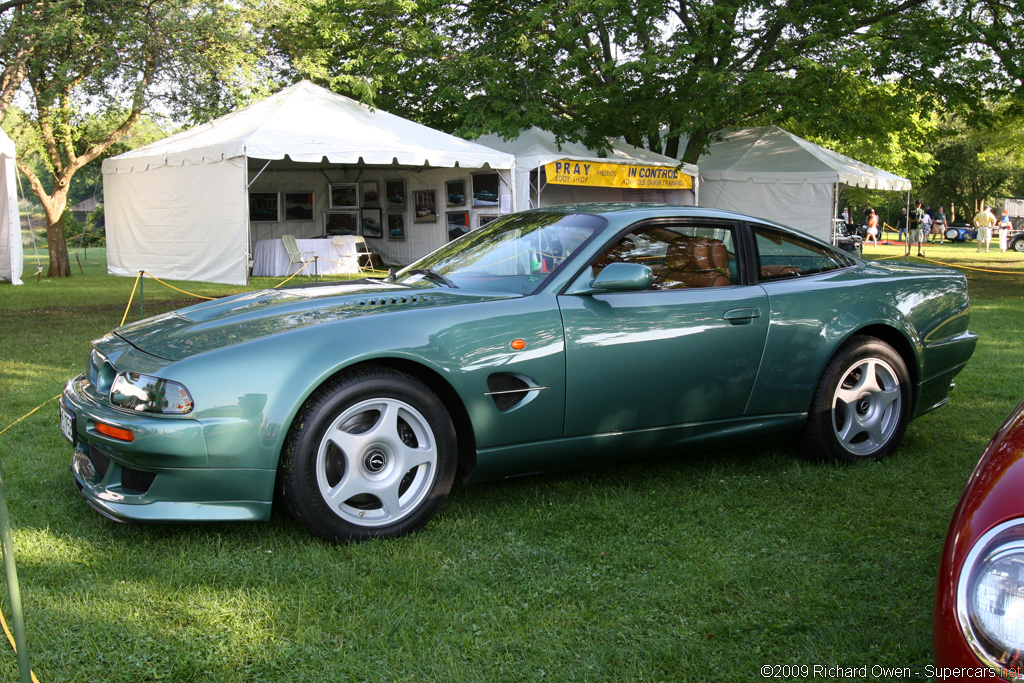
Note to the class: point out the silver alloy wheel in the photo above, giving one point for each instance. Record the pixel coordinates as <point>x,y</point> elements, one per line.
<point>376,462</point>
<point>867,406</point>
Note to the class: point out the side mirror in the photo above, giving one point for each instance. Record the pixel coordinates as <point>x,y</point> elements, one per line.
<point>623,277</point>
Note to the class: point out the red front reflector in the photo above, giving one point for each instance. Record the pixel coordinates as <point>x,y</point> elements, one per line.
<point>518,344</point>
<point>114,432</point>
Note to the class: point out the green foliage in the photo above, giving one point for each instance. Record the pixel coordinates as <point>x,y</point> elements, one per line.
<point>978,163</point>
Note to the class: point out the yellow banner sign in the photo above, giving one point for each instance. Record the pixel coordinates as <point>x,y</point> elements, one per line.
<point>590,174</point>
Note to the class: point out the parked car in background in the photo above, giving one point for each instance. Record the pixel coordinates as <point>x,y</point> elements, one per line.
<point>549,339</point>
<point>979,599</point>
<point>1016,242</point>
<point>961,232</point>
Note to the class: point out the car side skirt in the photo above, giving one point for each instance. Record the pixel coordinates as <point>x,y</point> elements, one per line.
<point>624,447</point>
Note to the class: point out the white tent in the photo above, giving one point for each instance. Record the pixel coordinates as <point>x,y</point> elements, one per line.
<point>771,173</point>
<point>182,207</point>
<point>625,173</point>
<point>11,255</point>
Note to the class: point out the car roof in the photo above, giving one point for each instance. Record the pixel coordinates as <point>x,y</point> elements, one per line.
<point>641,210</point>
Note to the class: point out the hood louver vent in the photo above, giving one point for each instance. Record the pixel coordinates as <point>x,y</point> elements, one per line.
<point>390,300</point>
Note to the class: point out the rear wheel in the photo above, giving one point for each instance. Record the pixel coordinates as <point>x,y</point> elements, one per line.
<point>952,234</point>
<point>371,454</point>
<point>1018,244</point>
<point>862,405</point>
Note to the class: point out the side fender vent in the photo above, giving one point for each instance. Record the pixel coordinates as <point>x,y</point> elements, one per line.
<point>507,391</point>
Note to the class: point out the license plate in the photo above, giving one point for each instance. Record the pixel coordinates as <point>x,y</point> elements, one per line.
<point>67,424</point>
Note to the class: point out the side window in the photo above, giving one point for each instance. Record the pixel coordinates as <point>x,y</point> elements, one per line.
<point>681,257</point>
<point>784,255</point>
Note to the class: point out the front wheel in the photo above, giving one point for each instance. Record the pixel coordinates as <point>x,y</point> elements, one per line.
<point>862,404</point>
<point>371,454</point>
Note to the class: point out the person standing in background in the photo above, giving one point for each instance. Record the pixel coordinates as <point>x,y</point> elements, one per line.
<point>939,224</point>
<point>983,221</point>
<point>917,227</point>
<point>1004,230</point>
<point>901,225</point>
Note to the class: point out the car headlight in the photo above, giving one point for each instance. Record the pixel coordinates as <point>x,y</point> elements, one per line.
<point>149,394</point>
<point>990,597</point>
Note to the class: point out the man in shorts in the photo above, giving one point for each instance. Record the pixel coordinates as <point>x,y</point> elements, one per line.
<point>916,227</point>
<point>939,224</point>
<point>983,221</point>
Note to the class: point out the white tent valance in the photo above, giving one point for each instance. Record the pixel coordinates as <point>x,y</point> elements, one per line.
<point>11,253</point>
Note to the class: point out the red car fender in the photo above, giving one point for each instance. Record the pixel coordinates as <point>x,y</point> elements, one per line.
<point>994,494</point>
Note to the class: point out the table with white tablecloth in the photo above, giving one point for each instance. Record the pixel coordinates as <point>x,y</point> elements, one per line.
<point>270,258</point>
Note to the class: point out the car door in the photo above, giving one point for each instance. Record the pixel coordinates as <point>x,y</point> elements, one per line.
<point>685,351</point>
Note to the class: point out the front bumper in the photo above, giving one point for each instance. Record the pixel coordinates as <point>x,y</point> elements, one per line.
<point>164,474</point>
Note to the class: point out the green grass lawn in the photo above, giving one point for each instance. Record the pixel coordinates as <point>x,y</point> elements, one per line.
<point>703,566</point>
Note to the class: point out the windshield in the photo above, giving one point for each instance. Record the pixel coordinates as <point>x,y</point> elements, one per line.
<point>514,254</point>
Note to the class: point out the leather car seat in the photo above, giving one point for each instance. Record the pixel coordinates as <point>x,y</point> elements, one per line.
<point>696,262</point>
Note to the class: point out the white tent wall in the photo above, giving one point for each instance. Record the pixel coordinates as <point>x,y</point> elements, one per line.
<point>184,222</point>
<point>420,238</point>
<point>804,205</point>
<point>11,252</point>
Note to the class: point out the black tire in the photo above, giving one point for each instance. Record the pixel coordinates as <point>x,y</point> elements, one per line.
<point>371,454</point>
<point>862,404</point>
<point>952,234</point>
<point>1018,244</point>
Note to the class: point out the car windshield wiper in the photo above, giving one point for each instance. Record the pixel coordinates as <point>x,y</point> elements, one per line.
<point>433,275</point>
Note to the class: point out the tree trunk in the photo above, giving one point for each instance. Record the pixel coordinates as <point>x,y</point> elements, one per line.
<point>60,263</point>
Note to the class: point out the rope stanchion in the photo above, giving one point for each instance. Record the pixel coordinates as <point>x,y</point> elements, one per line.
<point>304,266</point>
<point>131,298</point>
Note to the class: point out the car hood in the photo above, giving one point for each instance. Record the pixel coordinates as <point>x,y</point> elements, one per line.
<point>245,317</point>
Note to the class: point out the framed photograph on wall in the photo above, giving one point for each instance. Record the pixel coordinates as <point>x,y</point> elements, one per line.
<point>425,202</point>
<point>344,195</point>
<point>485,189</point>
<point>369,220</point>
<point>341,223</point>
<point>263,207</point>
<point>298,206</point>
<point>371,194</point>
<point>394,194</point>
<point>458,224</point>
<point>482,220</point>
<point>396,226</point>
<point>456,191</point>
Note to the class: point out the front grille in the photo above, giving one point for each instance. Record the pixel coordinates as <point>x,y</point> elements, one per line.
<point>100,462</point>
<point>136,481</point>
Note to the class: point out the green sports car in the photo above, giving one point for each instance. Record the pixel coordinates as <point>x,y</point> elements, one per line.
<point>548,339</point>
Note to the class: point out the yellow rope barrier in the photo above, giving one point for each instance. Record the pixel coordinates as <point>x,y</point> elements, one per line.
<point>131,298</point>
<point>980,270</point>
<point>304,266</point>
<point>34,410</point>
<point>3,621</point>
<point>10,638</point>
<point>197,296</point>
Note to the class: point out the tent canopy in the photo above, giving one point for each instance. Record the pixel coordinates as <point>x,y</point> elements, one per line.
<point>309,124</point>
<point>179,208</point>
<point>534,148</point>
<point>11,254</point>
<point>771,173</point>
<point>770,154</point>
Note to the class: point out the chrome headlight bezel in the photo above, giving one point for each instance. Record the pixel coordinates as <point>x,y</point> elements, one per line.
<point>999,544</point>
<point>137,392</point>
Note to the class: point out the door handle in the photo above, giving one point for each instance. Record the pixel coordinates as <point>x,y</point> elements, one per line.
<point>742,316</point>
